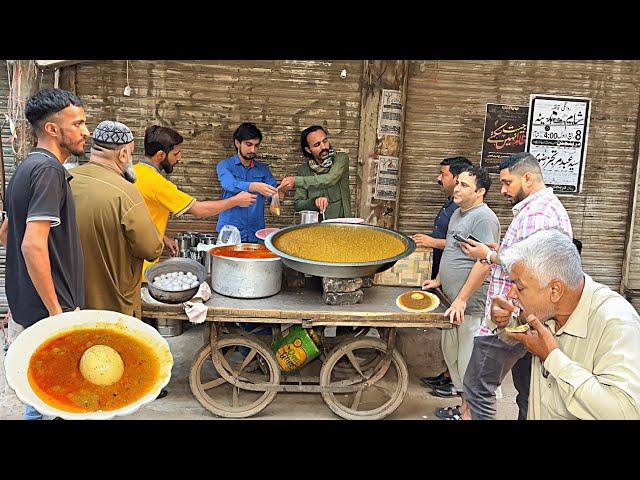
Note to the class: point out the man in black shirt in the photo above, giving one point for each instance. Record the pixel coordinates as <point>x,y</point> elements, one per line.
<point>44,269</point>
<point>449,170</point>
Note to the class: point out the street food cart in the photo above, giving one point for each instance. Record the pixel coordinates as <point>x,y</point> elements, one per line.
<point>359,371</point>
<point>360,377</point>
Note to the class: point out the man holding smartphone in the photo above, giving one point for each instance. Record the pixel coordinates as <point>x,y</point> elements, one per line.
<point>463,279</point>
<point>449,170</point>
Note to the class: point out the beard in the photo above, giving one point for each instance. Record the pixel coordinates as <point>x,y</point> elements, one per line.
<point>247,156</point>
<point>546,314</point>
<point>518,197</point>
<point>76,149</point>
<point>166,166</point>
<point>129,173</point>
<point>542,313</point>
<point>324,153</point>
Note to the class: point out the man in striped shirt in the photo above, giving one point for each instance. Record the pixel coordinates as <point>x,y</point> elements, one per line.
<point>535,208</point>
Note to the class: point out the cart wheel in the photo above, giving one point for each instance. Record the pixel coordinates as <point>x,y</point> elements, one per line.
<point>366,357</point>
<point>234,354</point>
<point>358,332</point>
<point>381,385</point>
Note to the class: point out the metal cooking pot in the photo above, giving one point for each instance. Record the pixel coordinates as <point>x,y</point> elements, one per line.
<point>306,216</point>
<point>246,277</point>
<point>175,264</point>
<point>339,269</point>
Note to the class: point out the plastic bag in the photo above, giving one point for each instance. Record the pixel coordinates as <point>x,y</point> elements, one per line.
<point>274,207</point>
<point>229,235</point>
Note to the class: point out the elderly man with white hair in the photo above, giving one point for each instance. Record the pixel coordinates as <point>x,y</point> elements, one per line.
<point>584,337</point>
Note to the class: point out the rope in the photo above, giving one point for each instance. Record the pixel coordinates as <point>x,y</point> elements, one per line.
<point>19,75</point>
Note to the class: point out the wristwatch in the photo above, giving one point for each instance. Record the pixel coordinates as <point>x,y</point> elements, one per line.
<point>487,259</point>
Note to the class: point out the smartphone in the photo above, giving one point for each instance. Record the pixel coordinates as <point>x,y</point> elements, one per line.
<point>460,239</point>
<point>470,237</point>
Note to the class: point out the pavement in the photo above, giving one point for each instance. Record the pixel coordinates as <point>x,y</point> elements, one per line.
<point>180,404</point>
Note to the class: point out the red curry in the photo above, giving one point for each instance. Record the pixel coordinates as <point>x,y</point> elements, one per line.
<point>250,250</point>
<point>54,371</point>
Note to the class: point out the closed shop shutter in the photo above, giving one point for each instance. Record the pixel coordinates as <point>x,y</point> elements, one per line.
<point>632,287</point>
<point>206,101</point>
<point>445,112</point>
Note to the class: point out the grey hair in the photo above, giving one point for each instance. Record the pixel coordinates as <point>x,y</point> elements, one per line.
<point>548,255</point>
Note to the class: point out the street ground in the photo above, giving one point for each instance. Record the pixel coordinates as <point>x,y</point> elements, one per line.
<point>180,404</point>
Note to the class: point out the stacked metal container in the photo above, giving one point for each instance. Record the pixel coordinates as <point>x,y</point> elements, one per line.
<point>188,243</point>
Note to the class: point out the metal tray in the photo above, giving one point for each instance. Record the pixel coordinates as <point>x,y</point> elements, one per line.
<point>338,270</point>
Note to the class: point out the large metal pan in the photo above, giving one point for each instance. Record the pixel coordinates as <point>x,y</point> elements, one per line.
<point>339,270</point>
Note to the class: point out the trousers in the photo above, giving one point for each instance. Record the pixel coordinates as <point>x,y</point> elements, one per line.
<point>490,362</point>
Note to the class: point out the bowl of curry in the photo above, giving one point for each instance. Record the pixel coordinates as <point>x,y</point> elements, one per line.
<point>339,250</point>
<point>43,365</point>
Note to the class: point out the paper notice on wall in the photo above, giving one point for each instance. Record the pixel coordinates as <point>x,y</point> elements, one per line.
<point>387,178</point>
<point>557,137</point>
<point>390,113</point>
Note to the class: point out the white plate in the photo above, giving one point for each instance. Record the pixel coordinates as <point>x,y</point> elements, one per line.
<point>434,298</point>
<point>344,220</point>
<point>264,232</point>
<point>17,360</point>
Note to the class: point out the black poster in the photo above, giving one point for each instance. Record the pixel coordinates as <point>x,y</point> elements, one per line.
<point>505,133</point>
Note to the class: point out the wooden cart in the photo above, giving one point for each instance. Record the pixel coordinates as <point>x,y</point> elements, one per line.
<point>235,374</point>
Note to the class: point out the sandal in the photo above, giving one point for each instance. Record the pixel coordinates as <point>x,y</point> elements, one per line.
<point>163,393</point>
<point>454,417</point>
<point>448,413</point>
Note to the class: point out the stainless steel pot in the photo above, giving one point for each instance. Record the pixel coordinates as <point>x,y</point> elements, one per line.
<point>246,277</point>
<point>169,265</point>
<point>193,238</point>
<point>184,242</point>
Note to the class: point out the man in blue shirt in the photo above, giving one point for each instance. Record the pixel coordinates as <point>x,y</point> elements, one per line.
<point>449,170</point>
<point>242,172</point>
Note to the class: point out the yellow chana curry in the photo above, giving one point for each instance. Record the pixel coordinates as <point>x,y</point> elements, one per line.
<point>340,244</point>
<point>418,300</point>
<point>54,371</point>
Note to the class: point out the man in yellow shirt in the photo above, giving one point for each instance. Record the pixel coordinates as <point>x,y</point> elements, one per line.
<point>584,337</point>
<point>163,150</point>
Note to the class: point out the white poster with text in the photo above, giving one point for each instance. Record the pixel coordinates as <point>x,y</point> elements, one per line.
<point>387,178</point>
<point>390,113</point>
<point>557,134</point>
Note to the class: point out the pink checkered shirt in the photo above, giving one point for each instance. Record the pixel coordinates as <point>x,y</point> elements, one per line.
<point>540,211</point>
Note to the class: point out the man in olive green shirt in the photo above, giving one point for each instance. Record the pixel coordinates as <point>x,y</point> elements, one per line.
<point>322,183</point>
<point>116,229</point>
<point>584,337</point>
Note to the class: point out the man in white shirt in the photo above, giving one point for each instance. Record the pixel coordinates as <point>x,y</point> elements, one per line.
<point>584,337</point>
